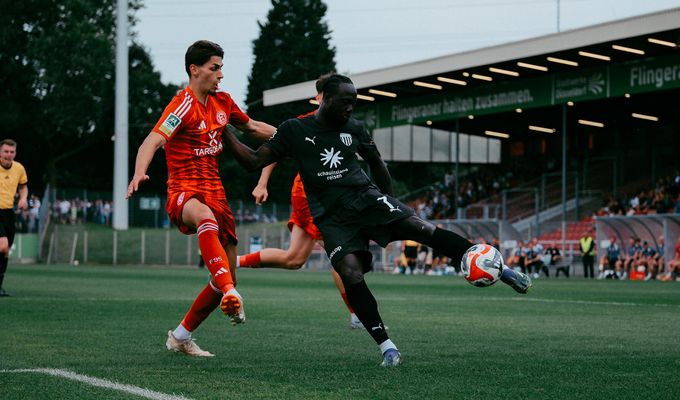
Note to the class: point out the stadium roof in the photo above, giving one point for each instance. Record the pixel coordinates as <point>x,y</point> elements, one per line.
<point>618,41</point>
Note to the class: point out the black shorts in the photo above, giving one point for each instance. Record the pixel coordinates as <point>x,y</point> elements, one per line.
<point>348,230</point>
<point>7,227</point>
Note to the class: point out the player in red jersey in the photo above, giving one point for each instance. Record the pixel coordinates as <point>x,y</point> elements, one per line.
<point>190,129</point>
<point>303,233</point>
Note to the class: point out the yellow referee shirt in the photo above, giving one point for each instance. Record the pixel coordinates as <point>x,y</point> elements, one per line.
<point>10,179</point>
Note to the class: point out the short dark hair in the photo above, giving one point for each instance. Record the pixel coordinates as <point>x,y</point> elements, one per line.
<point>200,52</point>
<point>322,81</point>
<point>8,142</point>
<point>331,85</point>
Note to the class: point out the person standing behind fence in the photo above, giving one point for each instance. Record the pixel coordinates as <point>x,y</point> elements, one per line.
<point>190,130</point>
<point>12,179</point>
<point>587,246</point>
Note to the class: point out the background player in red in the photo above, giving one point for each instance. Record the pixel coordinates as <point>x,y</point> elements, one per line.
<point>303,233</point>
<point>190,129</point>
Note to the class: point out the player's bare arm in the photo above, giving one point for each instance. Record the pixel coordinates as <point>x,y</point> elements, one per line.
<point>145,154</point>
<point>251,160</point>
<point>260,192</point>
<point>259,130</point>
<point>380,173</point>
<point>22,204</point>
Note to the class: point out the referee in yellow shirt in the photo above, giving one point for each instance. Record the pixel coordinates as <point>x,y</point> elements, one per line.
<point>12,178</point>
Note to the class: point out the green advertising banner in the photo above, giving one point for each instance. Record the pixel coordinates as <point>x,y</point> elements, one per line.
<point>648,75</point>
<point>582,85</point>
<point>487,99</point>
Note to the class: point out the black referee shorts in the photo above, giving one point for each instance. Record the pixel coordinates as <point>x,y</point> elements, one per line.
<point>348,230</point>
<point>7,228</point>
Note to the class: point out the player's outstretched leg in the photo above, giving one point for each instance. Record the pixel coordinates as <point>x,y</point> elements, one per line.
<point>451,245</point>
<point>301,246</point>
<point>350,268</point>
<point>516,280</point>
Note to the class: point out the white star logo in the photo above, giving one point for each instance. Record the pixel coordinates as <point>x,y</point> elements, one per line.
<point>330,156</point>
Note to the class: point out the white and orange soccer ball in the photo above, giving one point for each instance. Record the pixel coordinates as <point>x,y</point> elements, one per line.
<point>482,265</point>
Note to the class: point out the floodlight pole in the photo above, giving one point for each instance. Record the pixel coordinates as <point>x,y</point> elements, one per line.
<point>564,178</point>
<point>120,159</point>
<point>455,185</point>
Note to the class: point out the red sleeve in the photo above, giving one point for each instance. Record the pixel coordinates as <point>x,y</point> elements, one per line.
<point>235,114</point>
<point>174,116</point>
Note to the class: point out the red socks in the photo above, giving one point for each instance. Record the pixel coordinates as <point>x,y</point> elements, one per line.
<point>205,303</point>
<point>213,254</point>
<point>250,261</point>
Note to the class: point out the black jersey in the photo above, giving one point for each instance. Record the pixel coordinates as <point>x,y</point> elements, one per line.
<point>326,158</point>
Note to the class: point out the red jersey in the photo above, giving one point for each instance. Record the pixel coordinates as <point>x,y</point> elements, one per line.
<point>298,189</point>
<point>194,135</point>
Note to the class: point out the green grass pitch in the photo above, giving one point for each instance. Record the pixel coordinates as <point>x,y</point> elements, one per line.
<point>566,339</point>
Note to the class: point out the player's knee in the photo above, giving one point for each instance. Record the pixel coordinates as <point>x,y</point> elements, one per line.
<point>350,273</point>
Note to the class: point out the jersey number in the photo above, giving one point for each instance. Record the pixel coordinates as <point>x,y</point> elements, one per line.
<point>388,204</point>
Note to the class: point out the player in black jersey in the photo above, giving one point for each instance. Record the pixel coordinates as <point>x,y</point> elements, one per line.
<point>347,207</point>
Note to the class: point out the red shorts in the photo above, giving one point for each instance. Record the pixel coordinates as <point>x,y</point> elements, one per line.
<point>302,217</point>
<point>218,205</point>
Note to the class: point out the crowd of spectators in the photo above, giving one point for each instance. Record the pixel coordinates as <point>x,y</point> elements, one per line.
<point>441,200</point>
<point>27,220</point>
<point>663,198</point>
<point>78,211</point>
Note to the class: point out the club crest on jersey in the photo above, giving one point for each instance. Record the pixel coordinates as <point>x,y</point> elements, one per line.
<point>346,139</point>
<point>170,124</point>
<point>331,157</point>
<point>180,199</point>
<point>221,117</point>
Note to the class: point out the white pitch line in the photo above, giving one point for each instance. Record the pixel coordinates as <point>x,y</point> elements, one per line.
<point>104,383</point>
<point>588,302</point>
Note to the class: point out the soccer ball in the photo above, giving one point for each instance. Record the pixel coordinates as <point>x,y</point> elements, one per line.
<point>482,265</point>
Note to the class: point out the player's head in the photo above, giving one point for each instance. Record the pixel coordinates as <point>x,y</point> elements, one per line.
<point>203,63</point>
<point>319,85</point>
<point>8,150</point>
<point>339,98</point>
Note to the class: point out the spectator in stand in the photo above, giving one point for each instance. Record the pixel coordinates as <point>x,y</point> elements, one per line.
<point>673,273</point>
<point>659,259</point>
<point>647,260</point>
<point>611,261</point>
<point>587,247</point>
<point>555,256</point>
<point>533,259</point>
<point>33,214</point>
<point>64,209</point>
<point>633,254</point>
<point>518,257</point>
<point>439,260</point>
